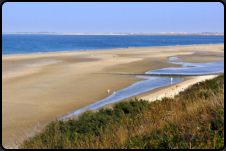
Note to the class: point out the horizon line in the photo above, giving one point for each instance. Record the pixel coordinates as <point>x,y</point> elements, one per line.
<point>121,33</point>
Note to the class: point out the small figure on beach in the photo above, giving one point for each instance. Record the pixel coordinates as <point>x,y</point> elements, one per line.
<point>13,61</point>
<point>108,90</point>
<point>171,80</point>
<point>115,92</point>
<point>92,55</point>
<point>113,56</point>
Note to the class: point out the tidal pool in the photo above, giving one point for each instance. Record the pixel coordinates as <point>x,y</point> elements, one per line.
<point>191,69</point>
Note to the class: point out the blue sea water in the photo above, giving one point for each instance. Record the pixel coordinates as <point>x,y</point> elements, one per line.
<point>25,43</point>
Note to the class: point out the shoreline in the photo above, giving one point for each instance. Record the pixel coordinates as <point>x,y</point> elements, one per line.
<point>103,49</point>
<point>39,88</point>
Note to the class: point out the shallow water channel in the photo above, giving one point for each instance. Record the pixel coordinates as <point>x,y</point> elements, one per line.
<point>136,88</point>
<point>191,69</point>
<point>155,82</point>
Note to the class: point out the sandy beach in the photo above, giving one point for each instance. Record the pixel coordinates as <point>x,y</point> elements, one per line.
<point>38,88</point>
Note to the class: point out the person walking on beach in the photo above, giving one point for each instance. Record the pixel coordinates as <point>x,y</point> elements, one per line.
<point>13,61</point>
<point>171,80</point>
<point>108,90</point>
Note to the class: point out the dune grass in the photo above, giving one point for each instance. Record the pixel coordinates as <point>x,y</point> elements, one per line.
<point>194,119</point>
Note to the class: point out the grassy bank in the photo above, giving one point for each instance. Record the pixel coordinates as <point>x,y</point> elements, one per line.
<point>193,119</point>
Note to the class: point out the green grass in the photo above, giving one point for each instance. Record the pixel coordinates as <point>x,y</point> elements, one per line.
<point>194,119</point>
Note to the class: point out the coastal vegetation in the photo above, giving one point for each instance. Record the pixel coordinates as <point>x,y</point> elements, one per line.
<point>193,119</point>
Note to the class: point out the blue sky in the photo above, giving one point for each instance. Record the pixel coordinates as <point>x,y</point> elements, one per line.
<point>115,17</point>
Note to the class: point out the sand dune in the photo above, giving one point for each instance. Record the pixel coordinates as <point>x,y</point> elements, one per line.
<point>40,87</point>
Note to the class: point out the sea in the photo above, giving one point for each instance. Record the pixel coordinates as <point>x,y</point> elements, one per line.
<point>39,43</point>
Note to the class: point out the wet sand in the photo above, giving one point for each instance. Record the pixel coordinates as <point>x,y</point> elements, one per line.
<point>40,87</point>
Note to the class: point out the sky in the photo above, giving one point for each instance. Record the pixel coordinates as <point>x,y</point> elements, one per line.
<point>113,17</point>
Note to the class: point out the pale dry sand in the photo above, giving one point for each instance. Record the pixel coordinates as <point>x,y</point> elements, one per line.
<point>174,89</point>
<point>41,87</point>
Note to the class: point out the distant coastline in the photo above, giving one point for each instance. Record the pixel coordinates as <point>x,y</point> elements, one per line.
<point>163,33</point>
